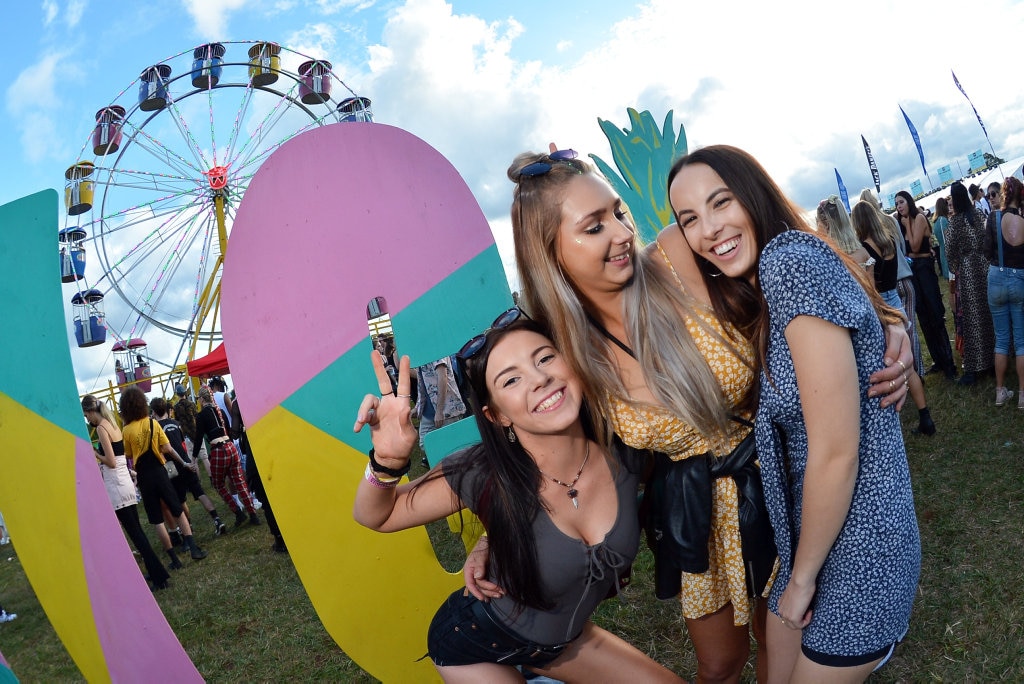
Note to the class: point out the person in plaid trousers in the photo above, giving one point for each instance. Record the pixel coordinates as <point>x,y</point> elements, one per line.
<point>225,463</point>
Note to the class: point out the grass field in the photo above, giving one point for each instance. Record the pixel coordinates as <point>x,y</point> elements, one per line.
<point>243,616</point>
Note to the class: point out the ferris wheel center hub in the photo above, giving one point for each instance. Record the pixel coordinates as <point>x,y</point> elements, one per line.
<point>218,177</point>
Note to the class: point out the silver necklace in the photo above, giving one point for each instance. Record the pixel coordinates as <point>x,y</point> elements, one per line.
<point>571,486</point>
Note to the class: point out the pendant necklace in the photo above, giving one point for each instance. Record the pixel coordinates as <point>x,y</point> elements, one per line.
<point>571,486</point>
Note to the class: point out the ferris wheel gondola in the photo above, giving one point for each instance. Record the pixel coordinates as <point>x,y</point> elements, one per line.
<point>154,193</point>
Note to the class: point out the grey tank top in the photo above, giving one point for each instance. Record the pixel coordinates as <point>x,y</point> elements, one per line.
<point>575,577</point>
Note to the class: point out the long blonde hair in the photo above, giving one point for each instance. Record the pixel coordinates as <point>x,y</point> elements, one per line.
<point>654,312</point>
<point>91,404</point>
<point>870,225</point>
<point>832,214</point>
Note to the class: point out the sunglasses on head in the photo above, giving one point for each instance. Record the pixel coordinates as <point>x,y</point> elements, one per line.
<point>541,167</point>
<point>473,347</point>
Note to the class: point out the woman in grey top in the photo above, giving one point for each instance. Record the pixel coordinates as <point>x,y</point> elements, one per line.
<point>559,508</point>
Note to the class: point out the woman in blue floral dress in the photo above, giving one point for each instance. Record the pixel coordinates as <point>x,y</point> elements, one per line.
<point>834,467</point>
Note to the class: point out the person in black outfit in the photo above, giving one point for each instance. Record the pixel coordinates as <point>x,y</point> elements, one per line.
<point>252,476</point>
<point>224,459</point>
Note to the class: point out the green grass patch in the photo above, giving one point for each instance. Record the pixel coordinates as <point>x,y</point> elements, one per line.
<point>242,614</point>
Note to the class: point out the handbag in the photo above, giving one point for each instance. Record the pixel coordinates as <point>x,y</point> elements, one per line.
<point>172,470</point>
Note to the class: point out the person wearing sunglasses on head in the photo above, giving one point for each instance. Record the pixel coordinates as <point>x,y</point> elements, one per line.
<point>639,328</point>
<point>559,510</point>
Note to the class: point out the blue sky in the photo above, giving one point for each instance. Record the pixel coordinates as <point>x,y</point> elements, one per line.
<point>794,82</point>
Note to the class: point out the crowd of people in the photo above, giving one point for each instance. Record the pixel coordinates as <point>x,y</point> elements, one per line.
<point>151,454</point>
<point>975,237</point>
<point>744,367</point>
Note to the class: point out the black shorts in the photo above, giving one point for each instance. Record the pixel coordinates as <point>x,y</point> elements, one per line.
<point>464,633</point>
<point>885,653</point>
<point>187,483</point>
<point>155,486</point>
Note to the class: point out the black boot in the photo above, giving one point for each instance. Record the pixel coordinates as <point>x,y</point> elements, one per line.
<point>175,563</point>
<point>219,527</point>
<point>240,518</point>
<point>175,536</point>
<point>254,519</point>
<point>925,426</point>
<point>279,545</point>
<point>190,544</point>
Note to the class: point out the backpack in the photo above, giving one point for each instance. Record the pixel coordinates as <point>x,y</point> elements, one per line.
<point>176,437</point>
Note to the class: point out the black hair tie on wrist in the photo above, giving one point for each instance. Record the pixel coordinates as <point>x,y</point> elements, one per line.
<point>393,472</point>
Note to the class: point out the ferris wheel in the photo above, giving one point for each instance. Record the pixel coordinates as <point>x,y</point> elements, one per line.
<point>153,194</point>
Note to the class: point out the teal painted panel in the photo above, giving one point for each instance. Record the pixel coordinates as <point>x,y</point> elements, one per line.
<point>36,369</point>
<point>436,324</point>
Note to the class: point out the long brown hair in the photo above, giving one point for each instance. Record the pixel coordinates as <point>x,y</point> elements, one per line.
<point>771,214</point>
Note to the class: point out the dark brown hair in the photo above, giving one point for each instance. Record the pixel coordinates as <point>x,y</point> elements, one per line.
<point>133,405</point>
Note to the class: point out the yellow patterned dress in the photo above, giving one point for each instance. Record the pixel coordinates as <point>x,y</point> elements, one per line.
<point>647,426</point>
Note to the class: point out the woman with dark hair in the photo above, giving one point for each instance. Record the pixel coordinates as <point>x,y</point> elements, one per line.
<point>120,487</point>
<point>834,468</point>
<point>931,312</point>
<point>968,268</point>
<point>1004,248</point>
<point>559,509</point>
<point>146,445</point>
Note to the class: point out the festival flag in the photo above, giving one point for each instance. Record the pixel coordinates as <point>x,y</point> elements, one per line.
<point>916,141</point>
<point>842,191</point>
<point>871,163</point>
<point>980,122</point>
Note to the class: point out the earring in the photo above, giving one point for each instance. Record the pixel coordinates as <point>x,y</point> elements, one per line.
<point>511,434</point>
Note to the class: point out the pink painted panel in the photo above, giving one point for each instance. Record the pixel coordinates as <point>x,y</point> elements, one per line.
<point>347,190</point>
<point>133,632</point>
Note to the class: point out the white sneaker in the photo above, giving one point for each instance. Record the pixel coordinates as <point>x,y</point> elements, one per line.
<point>7,617</point>
<point>1002,395</point>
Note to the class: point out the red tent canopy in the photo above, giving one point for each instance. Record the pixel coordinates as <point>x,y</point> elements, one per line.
<point>214,363</point>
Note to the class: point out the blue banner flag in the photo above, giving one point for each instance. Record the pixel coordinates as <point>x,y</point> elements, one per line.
<point>917,139</point>
<point>842,191</point>
<point>961,89</point>
<point>871,163</point>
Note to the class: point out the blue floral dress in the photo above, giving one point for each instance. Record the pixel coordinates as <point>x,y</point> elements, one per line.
<point>866,587</point>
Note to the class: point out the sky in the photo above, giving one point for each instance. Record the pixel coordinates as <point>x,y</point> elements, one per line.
<point>795,83</point>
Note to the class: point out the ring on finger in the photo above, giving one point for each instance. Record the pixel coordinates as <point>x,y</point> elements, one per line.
<point>404,396</point>
<point>892,385</point>
<point>902,365</point>
<point>385,394</point>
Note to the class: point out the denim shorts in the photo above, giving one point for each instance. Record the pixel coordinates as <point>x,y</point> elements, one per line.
<point>464,633</point>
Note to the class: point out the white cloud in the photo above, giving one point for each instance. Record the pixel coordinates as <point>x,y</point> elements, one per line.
<point>211,16</point>
<point>74,12</point>
<point>316,40</point>
<point>50,10</point>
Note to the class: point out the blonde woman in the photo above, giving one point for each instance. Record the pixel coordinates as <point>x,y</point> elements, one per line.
<point>120,487</point>
<point>878,235</point>
<point>835,222</point>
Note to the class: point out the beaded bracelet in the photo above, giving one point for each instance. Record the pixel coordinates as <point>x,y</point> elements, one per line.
<point>377,481</point>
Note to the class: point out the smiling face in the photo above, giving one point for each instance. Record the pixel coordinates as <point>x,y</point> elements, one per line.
<point>531,387</point>
<point>714,222</point>
<point>595,239</point>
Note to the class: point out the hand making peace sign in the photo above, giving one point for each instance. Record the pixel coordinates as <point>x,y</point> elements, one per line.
<point>389,415</point>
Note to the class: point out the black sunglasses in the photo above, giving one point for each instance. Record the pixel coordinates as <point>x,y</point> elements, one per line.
<point>541,167</point>
<point>473,347</point>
